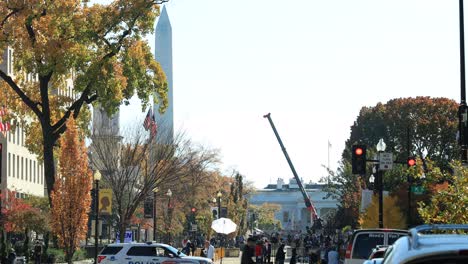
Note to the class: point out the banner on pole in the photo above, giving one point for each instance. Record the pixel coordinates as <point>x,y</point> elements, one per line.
<point>105,201</point>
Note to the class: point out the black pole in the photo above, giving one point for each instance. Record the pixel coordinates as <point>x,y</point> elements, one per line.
<point>219,207</point>
<point>462,110</point>
<point>96,224</point>
<point>408,149</point>
<point>380,184</point>
<point>462,54</point>
<point>154,217</point>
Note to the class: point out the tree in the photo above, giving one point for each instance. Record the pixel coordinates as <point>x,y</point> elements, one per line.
<point>20,217</point>
<point>392,215</point>
<point>431,123</point>
<point>95,51</point>
<point>135,166</point>
<point>266,216</point>
<point>448,200</point>
<point>71,197</point>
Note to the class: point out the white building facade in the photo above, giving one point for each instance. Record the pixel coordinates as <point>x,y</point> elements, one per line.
<point>20,169</point>
<point>293,213</point>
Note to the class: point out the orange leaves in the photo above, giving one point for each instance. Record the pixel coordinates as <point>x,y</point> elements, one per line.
<point>71,195</point>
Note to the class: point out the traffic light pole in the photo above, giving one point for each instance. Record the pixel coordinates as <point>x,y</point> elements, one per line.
<point>463,109</point>
<point>380,184</point>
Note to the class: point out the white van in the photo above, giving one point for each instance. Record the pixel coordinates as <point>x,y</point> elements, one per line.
<point>363,241</point>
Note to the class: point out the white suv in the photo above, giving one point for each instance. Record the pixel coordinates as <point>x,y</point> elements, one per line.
<point>363,241</point>
<point>438,244</point>
<point>146,253</point>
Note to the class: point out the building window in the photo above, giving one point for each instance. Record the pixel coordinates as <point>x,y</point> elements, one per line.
<point>285,216</point>
<point>9,164</point>
<point>22,166</point>
<point>26,169</point>
<point>30,170</point>
<point>13,165</point>
<point>34,175</point>
<point>17,167</point>
<point>42,174</point>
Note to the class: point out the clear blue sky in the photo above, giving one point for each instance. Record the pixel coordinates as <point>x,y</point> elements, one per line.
<point>312,64</point>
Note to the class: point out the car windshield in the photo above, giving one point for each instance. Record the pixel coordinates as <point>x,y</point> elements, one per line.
<point>175,251</point>
<point>364,244</point>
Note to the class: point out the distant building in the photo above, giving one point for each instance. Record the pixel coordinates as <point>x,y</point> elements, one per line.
<point>294,214</point>
<point>163,54</point>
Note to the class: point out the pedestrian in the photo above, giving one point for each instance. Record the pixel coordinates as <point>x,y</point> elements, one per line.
<point>280,254</point>
<point>259,252</point>
<point>267,251</point>
<point>209,249</point>
<point>333,256</point>
<point>12,257</point>
<point>293,256</point>
<point>37,252</point>
<point>248,252</point>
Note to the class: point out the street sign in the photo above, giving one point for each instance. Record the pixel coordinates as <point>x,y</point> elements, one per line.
<point>417,189</point>
<point>385,161</point>
<point>194,228</point>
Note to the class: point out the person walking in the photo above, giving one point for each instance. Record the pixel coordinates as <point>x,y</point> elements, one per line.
<point>259,252</point>
<point>209,249</point>
<point>37,252</point>
<point>333,256</point>
<point>280,254</point>
<point>267,252</point>
<point>248,252</point>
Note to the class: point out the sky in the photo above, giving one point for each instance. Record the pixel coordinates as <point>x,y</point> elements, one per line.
<point>311,64</point>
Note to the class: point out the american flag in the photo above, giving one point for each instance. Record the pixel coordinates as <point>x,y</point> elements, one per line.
<point>154,126</point>
<point>148,120</point>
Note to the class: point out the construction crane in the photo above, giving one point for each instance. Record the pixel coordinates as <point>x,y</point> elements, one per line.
<point>307,201</point>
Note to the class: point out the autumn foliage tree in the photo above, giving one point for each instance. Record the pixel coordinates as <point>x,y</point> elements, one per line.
<point>392,215</point>
<point>71,194</point>
<point>68,54</point>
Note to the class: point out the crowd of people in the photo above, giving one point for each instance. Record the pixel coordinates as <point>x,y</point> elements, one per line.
<point>305,248</point>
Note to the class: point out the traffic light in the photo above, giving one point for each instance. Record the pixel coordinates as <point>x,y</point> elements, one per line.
<point>214,210</point>
<point>411,161</point>
<point>359,159</point>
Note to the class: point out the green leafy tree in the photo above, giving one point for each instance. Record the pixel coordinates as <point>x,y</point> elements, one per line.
<point>266,216</point>
<point>431,124</point>
<point>96,51</point>
<point>449,199</point>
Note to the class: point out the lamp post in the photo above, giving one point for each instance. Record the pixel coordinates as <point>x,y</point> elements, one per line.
<point>462,109</point>
<point>218,196</point>
<point>97,178</point>
<point>155,190</point>
<point>169,215</point>
<point>380,148</point>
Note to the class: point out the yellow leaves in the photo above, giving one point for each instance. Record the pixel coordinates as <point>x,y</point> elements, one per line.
<point>392,215</point>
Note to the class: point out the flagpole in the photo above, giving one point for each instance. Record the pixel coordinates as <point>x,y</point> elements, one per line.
<point>328,155</point>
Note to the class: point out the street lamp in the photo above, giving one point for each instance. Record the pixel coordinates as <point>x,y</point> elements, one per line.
<point>155,190</point>
<point>380,148</point>
<point>97,178</point>
<point>218,195</point>
<point>169,215</point>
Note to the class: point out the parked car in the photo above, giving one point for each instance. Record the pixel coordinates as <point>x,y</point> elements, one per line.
<point>362,241</point>
<point>378,252</point>
<point>438,244</point>
<point>148,253</point>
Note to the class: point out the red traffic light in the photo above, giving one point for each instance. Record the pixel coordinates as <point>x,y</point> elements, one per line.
<point>358,151</point>
<point>411,162</point>
<point>194,209</point>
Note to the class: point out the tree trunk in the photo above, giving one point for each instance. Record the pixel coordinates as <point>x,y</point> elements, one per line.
<point>123,228</point>
<point>49,164</point>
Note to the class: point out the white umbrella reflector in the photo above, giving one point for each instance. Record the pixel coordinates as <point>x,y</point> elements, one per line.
<point>223,226</point>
